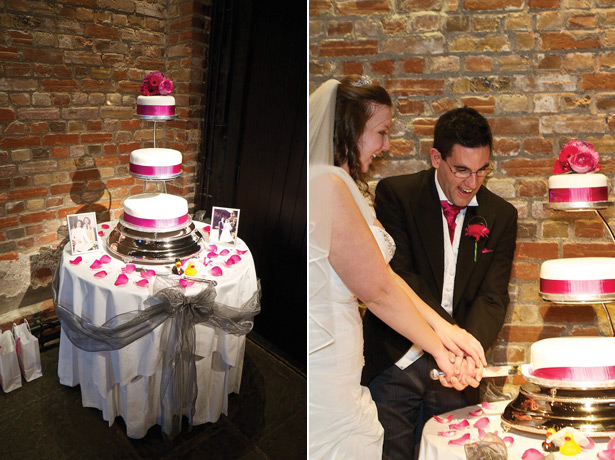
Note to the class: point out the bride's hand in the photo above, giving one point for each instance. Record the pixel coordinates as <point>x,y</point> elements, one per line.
<point>461,343</point>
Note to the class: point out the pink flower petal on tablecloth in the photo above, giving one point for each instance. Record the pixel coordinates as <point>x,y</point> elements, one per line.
<point>148,274</point>
<point>105,259</point>
<point>460,441</point>
<point>447,419</point>
<point>76,261</point>
<point>476,413</point>
<point>96,265</point>
<point>121,280</point>
<point>481,423</point>
<point>183,282</point>
<point>211,255</point>
<point>589,445</point>
<point>481,433</point>
<point>236,259</point>
<point>129,268</point>
<point>216,271</point>
<point>532,454</point>
<point>460,426</point>
<point>608,454</point>
<point>212,247</point>
<point>100,274</point>
<point>224,252</point>
<point>447,434</point>
<point>207,228</point>
<point>509,441</point>
<point>142,283</point>
<point>239,251</point>
<point>230,262</point>
<point>611,444</point>
<point>101,233</point>
<point>105,226</point>
<point>487,405</point>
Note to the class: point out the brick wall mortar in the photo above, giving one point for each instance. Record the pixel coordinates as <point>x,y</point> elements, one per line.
<point>541,71</point>
<point>69,78</point>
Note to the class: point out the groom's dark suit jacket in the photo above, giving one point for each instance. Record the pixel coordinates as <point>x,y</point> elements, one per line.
<point>409,209</point>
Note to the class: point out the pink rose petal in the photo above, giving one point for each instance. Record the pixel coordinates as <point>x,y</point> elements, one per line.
<point>509,441</point>
<point>236,259</point>
<point>105,226</point>
<point>129,268</point>
<point>611,444</point>
<point>224,252</point>
<point>148,274</point>
<point>96,264</point>
<point>216,271</point>
<point>121,280</point>
<point>589,445</point>
<point>460,426</point>
<point>447,434</point>
<point>76,260</point>
<point>212,247</point>
<point>142,283</point>
<point>448,418</point>
<point>481,433</point>
<point>105,259</point>
<point>608,454</point>
<point>532,454</point>
<point>239,251</point>
<point>100,274</point>
<point>460,441</point>
<point>211,255</point>
<point>230,262</point>
<point>481,423</point>
<point>487,405</point>
<point>185,283</point>
<point>476,413</point>
<point>101,233</point>
<point>207,228</point>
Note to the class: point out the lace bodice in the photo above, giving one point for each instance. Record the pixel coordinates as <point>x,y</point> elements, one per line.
<point>385,242</point>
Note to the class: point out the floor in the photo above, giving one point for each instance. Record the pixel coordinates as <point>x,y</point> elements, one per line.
<point>267,420</point>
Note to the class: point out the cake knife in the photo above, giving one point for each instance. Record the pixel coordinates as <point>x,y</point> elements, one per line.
<point>488,371</point>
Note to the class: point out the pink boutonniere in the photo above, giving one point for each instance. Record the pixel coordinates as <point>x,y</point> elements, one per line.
<point>477,231</point>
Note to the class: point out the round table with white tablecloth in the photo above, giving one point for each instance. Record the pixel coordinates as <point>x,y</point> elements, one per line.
<point>126,382</point>
<point>435,446</point>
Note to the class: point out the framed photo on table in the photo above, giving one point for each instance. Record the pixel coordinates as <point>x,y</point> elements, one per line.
<point>83,233</point>
<point>224,225</point>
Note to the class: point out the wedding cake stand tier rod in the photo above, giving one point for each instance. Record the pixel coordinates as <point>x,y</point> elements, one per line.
<point>608,315</point>
<point>606,224</point>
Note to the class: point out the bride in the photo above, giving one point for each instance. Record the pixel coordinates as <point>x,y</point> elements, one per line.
<point>348,259</point>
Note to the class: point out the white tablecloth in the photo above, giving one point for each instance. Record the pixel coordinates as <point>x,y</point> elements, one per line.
<point>435,447</point>
<point>126,382</point>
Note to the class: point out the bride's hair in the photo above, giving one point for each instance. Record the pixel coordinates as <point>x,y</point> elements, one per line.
<point>354,106</point>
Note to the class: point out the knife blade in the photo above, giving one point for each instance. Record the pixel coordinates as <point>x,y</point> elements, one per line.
<point>488,371</point>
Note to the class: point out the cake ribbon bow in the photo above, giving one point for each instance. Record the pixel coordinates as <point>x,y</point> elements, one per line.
<point>178,387</point>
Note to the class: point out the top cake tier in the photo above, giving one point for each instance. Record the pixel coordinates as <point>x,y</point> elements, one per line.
<point>156,107</point>
<point>578,188</point>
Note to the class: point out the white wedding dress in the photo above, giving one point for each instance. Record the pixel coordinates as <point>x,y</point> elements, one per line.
<point>343,421</point>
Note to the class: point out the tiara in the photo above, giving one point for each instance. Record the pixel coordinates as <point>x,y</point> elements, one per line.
<point>363,81</point>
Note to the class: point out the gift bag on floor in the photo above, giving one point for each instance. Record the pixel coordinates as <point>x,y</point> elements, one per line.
<point>10,377</point>
<point>27,351</point>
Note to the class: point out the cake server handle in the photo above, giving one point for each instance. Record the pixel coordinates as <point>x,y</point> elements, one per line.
<point>488,372</point>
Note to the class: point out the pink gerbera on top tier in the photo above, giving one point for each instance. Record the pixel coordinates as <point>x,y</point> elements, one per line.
<point>577,156</point>
<point>156,83</point>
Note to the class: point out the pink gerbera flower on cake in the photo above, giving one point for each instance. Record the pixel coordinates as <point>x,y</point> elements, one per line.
<point>156,83</point>
<point>577,156</point>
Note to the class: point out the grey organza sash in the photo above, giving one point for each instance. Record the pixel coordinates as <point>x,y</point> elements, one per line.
<point>178,387</point>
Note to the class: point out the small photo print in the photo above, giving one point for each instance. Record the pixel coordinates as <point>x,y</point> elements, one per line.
<point>224,225</point>
<point>83,233</point>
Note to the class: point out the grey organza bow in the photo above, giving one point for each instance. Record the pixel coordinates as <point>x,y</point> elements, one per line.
<point>178,387</point>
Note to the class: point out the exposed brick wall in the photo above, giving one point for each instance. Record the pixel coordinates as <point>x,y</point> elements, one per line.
<point>541,71</point>
<point>70,72</point>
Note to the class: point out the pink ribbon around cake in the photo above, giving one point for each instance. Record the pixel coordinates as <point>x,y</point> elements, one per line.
<point>155,170</point>
<point>575,195</point>
<point>156,223</point>
<point>576,374</point>
<point>156,110</point>
<point>577,286</point>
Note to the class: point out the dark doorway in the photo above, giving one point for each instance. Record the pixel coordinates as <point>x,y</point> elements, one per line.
<point>255,153</point>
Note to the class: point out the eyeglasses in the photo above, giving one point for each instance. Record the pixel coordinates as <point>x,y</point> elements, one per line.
<point>464,173</point>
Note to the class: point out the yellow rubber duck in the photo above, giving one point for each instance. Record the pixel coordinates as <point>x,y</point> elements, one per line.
<point>190,270</point>
<point>569,447</point>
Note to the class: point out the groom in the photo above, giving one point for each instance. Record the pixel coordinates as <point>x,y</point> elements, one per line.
<point>463,278</point>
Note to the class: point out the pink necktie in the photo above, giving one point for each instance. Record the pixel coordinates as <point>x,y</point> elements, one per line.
<point>450,212</point>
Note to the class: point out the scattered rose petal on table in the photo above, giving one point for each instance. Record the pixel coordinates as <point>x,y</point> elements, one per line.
<point>608,454</point>
<point>101,233</point>
<point>236,259</point>
<point>239,251</point>
<point>460,426</point>
<point>481,433</point>
<point>212,247</point>
<point>487,405</point>
<point>96,265</point>
<point>532,454</point>
<point>611,444</point>
<point>76,260</point>
<point>460,441</point>
<point>105,226</point>
<point>100,274</point>
<point>481,422</point>
<point>207,228</point>
<point>142,283</point>
<point>105,259</point>
<point>183,282</point>
<point>447,419</point>
<point>508,440</point>
<point>447,434</point>
<point>216,271</point>
<point>476,413</point>
<point>589,445</point>
<point>224,252</point>
<point>129,268</point>
<point>148,274</point>
<point>230,262</point>
<point>211,255</point>
<point>121,280</point>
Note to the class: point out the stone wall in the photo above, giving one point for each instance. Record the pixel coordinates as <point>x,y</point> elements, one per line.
<point>70,72</point>
<point>541,71</point>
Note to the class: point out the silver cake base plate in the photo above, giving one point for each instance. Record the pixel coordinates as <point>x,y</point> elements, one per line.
<point>580,205</point>
<point>578,298</point>
<point>131,245</point>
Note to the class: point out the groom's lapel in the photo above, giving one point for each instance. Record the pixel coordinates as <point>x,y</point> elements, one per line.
<point>428,221</point>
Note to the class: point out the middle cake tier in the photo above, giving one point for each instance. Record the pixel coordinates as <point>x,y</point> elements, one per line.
<point>155,163</point>
<point>578,280</point>
<point>155,212</point>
